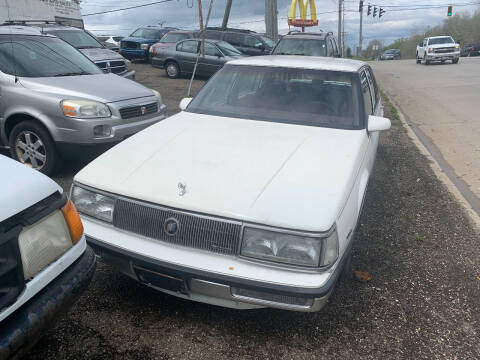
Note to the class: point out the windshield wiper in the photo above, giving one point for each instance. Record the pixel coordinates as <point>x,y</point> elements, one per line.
<point>74,73</point>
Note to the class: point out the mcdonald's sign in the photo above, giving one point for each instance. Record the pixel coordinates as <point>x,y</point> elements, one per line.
<point>302,21</point>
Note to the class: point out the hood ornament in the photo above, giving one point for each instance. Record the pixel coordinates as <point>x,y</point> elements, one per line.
<point>182,189</point>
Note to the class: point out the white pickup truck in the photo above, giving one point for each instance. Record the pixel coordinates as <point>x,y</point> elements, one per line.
<point>438,48</point>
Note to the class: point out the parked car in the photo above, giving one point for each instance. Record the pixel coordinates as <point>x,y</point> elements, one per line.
<point>308,44</point>
<point>137,45</point>
<point>391,54</point>
<point>171,38</point>
<point>470,50</point>
<point>248,42</point>
<point>271,164</point>
<point>106,59</point>
<point>438,48</point>
<point>181,59</point>
<point>48,112</point>
<point>45,263</point>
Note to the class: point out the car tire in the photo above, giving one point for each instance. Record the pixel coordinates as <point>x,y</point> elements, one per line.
<point>455,61</point>
<point>425,61</point>
<point>31,144</point>
<point>347,272</point>
<point>172,70</point>
<point>419,61</point>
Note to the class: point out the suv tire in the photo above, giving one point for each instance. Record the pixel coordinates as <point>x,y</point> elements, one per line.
<point>172,70</point>
<point>31,144</point>
<point>419,61</point>
<point>426,62</point>
<point>455,61</point>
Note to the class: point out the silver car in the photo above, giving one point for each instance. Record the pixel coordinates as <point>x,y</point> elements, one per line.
<point>55,102</point>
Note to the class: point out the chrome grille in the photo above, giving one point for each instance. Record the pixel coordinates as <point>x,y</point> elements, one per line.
<point>444,50</point>
<point>210,234</point>
<point>115,67</point>
<point>139,110</point>
<point>129,45</point>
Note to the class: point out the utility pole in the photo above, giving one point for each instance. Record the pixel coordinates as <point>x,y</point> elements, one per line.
<point>340,3</point>
<point>271,21</point>
<point>227,14</point>
<point>360,40</point>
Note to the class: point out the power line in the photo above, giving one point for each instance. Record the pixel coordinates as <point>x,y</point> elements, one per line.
<point>127,8</point>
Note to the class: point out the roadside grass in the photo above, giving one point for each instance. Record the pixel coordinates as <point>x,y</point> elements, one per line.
<point>391,111</point>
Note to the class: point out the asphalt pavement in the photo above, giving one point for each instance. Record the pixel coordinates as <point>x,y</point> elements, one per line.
<point>441,102</point>
<point>422,301</point>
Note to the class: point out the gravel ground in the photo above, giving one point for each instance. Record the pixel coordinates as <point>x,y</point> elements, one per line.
<point>422,302</point>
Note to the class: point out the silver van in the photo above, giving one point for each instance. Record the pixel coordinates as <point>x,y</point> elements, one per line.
<point>54,101</point>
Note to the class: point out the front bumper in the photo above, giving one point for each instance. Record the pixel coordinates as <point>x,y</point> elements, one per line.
<point>215,288</point>
<point>25,326</point>
<point>134,53</point>
<point>443,56</point>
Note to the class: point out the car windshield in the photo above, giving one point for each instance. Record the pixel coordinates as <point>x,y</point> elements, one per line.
<point>77,38</point>
<point>173,37</point>
<point>269,42</point>
<point>146,33</point>
<point>308,47</point>
<point>284,95</point>
<point>228,49</point>
<point>441,40</point>
<point>41,56</point>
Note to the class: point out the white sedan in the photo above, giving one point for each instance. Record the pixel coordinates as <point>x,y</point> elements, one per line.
<point>251,195</point>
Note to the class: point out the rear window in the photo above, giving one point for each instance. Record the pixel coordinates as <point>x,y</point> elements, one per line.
<point>308,47</point>
<point>173,37</point>
<point>147,33</point>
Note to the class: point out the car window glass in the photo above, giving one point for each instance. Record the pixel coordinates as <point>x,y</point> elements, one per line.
<point>283,95</point>
<point>179,46</point>
<point>211,50</point>
<point>228,49</point>
<point>296,46</point>
<point>335,48</point>
<point>372,87</point>
<point>77,38</point>
<point>173,37</point>
<point>329,47</point>
<point>367,97</point>
<point>252,42</point>
<point>40,56</point>
<point>214,35</point>
<point>147,33</point>
<point>234,39</point>
<point>190,46</point>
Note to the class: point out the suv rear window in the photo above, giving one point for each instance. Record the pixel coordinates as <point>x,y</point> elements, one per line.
<point>146,33</point>
<point>307,47</point>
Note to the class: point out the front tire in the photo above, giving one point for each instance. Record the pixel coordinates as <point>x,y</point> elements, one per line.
<point>455,61</point>
<point>419,61</point>
<point>425,61</point>
<point>172,70</point>
<point>31,144</point>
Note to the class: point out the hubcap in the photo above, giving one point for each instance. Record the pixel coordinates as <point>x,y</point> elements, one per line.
<point>31,150</point>
<point>172,70</point>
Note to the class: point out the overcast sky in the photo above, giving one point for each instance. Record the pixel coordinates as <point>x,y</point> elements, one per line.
<point>250,14</point>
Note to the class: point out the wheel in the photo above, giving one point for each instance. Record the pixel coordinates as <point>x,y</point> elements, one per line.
<point>172,70</point>
<point>425,61</point>
<point>346,273</point>
<point>455,61</point>
<point>419,61</point>
<point>31,144</point>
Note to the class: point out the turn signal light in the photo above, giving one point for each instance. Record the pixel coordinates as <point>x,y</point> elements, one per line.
<point>73,221</point>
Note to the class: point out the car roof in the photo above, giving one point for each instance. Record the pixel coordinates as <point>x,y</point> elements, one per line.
<point>301,62</point>
<point>20,30</point>
<point>300,35</point>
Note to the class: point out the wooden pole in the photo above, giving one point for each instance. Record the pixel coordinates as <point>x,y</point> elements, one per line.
<point>227,14</point>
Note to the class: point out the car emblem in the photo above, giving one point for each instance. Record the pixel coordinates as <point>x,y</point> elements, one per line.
<point>143,109</point>
<point>182,189</point>
<point>171,226</point>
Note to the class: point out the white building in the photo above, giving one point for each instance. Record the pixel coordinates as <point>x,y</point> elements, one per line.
<point>65,11</point>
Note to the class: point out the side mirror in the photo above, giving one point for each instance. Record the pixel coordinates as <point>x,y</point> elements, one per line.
<point>184,103</point>
<point>378,123</point>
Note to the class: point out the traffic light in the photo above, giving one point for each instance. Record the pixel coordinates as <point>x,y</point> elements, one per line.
<point>381,12</point>
<point>369,10</point>
<point>450,10</point>
<point>374,11</point>
<point>360,6</point>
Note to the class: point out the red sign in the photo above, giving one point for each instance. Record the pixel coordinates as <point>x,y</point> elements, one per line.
<point>302,22</point>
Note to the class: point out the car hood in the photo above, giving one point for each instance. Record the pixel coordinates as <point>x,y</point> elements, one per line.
<point>275,174</point>
<point>100,54</point>
<point>105,88</point>
<point>22,187</point>
<point>436,46</point>
<point>139,40</point>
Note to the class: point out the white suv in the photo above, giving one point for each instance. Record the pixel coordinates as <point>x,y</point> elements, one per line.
<point>44,260</point>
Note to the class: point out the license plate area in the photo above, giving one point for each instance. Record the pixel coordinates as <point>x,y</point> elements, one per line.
<point>160,280</point>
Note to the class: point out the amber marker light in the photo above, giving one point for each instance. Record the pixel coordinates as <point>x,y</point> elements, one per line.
<point>73,221</point>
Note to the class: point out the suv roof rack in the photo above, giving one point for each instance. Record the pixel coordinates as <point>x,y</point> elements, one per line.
<point>230,29</point>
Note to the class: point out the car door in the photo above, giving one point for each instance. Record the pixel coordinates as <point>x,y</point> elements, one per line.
<point>211,62</point>
<point>374,107</point>
<point>186,55</point>
<point>253,46</point>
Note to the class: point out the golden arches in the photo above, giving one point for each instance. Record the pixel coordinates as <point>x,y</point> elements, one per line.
<point>303,5</point>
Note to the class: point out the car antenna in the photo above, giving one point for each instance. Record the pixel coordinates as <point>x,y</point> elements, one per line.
<point>11,42</point>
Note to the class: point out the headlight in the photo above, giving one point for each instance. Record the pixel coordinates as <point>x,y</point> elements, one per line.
<point>457,46</point>
<point>159,97</point>
<point>144,46</point>
<point>93,204</point>
<point>288,248</point>
<point>129,65</point>
<point>85,109</point>
<point>430,50</point>
<point>151,49</point>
